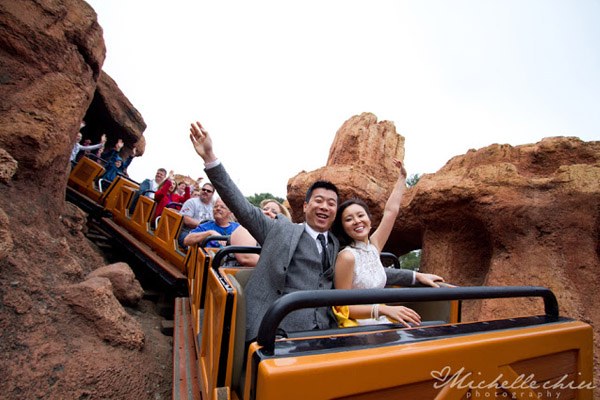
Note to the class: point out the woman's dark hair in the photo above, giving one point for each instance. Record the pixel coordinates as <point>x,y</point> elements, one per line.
<point>337,227</point>
<point>321,185</point>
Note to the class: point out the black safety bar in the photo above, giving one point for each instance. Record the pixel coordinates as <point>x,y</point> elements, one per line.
<point>94,157</point>
<point>121,174</point>
<point>218,238</point>
<point>175,205</point>
<point>224,251</point>
<point>390,258</point>
<point>320,298</point>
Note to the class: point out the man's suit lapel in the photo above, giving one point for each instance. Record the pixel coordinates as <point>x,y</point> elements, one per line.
<point>336,247</point>
<point>297,231</point>
<point>332,249</point>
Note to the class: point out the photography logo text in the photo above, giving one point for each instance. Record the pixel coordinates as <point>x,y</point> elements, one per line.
<point>515,387</point>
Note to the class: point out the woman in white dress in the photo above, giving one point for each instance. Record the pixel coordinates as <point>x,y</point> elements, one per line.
<point>358,265</point>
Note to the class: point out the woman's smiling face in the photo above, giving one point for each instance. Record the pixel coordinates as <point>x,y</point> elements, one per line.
<point>356,223</point>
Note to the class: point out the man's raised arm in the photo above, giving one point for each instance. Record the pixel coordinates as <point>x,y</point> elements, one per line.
<point>202,143</point>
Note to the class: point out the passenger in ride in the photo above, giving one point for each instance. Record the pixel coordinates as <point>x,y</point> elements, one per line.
<point>358,265</point>
<point>222,225</point>
<point>196,210</point>
<point>149,186</point>
<point>115,166</point>
<point>241,237</point>
<point>79,147</point>
<point>292,256</point>
<point>167,193</point>
<point>82,153</point>
<point>182,192</point>
<point>109,154</point>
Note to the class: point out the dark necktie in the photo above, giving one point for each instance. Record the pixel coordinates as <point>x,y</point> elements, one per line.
<point>324,255</point>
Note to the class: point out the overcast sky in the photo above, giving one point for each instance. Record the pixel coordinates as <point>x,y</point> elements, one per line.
<point>273,81</point>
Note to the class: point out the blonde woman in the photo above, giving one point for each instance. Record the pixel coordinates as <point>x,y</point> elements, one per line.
<point>241,237</point>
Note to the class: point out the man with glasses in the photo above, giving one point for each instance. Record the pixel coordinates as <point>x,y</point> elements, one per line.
<point>223,224</point>
<point>198,209</point>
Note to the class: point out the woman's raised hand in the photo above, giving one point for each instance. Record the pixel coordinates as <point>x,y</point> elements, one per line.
<point>400,165</point>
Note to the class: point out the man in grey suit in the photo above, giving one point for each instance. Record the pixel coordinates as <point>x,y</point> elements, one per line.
<point>292,255</point>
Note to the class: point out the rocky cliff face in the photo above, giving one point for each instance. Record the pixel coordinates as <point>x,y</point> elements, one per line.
<point>524,215</point>
<point>63,334</point>
<point>51,80</point>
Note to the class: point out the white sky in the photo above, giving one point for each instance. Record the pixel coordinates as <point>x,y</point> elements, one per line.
<point>273,81</point>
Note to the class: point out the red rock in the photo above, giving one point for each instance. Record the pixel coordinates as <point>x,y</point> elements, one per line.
<point>360,164</point>
<point>126,287</point>
<point>95,301</point>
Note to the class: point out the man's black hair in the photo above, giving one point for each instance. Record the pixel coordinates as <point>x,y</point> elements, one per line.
<point>321,185</point>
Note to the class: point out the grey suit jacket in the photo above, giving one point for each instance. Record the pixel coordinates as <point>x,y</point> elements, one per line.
<point>279,239</point>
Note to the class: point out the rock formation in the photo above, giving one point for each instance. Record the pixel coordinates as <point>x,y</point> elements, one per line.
<point>500,215</point>
<point>125,287</point>
<point>61,336</point>
<point>95,300</point>
<point>51,81</point>
<point>359,163</point>
<point>111,113</point>
<point>523,215</point>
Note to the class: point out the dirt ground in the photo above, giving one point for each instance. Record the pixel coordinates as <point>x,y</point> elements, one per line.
<point>48,351</point>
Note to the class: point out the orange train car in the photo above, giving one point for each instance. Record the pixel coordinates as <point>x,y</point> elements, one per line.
<point>525,357</point>
<point>539,356</point>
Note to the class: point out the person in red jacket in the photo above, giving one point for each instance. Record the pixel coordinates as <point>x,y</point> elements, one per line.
<point>180,194</point>
<point>170,191</point>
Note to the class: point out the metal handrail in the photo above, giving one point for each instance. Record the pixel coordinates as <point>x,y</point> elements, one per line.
<point>225,251</point>
<point>320,298</point>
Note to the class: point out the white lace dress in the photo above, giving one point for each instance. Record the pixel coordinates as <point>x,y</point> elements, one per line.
<point>368,273</point>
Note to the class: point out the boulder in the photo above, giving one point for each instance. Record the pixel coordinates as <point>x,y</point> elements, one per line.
<point>94,300</point>
<point>126,287</point>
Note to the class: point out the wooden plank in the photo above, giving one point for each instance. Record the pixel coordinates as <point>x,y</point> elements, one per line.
<point>185,363</point>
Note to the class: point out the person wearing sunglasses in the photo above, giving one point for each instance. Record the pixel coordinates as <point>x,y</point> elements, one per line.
<point>197,209</point>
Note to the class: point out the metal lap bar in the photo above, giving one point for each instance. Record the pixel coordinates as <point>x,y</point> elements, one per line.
<point>319,298</point>
<point>223,252</point>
